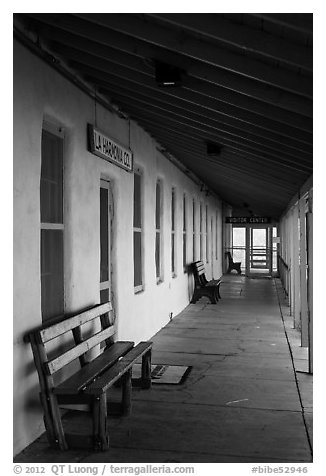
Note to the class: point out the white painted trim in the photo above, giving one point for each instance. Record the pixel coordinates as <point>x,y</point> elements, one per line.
<point>52,226</point>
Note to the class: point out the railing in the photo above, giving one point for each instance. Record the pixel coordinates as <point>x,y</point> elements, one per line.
<point>259,257</point>
<point>284,272</point>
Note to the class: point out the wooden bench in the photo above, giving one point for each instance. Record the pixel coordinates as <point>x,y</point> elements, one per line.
<point>203,287</point>
<point>232,264</point>
<point>56,346</point>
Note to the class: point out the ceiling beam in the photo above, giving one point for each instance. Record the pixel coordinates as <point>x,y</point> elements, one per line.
<point>193,100</point>
<point>260,192</point>
<point>302,22</point>
<point>129,96</point>
<point>247,39</point>
<point>241,106</point>
<point>223,160</point>
<point>197,70</point>
<point>269,164</point>
<point>123,88</point>
<point>207,57</point>
<point>247,163</point>
<point>209,132</point>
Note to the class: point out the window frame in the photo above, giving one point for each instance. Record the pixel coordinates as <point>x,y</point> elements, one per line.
<point>173,233</point>
<point>136,229</point>
<point>206,235</point>
<point>184,232</point>
<point>57,131</point>
<point>194,254</point>
<point>159,231</point>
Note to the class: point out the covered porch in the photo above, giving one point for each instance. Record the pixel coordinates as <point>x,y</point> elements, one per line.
<point>247,398</point>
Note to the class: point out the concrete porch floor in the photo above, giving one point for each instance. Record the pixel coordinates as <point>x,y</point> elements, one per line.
<point>247,398</point>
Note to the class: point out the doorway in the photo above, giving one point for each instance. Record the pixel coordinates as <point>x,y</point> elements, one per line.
<point>105,242</point>
<point>259,250</point>
<point>255,246</point>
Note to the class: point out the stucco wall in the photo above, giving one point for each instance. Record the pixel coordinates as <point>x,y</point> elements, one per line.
<point>41,93</point>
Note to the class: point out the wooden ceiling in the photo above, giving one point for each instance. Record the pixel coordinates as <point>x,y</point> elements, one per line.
<point>246,87</point>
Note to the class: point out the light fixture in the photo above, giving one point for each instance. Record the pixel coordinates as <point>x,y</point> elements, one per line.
<point>167,75</point>
<point>213,148</point>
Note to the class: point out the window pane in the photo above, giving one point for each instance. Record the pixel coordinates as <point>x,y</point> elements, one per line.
<point>216,237</point>
<point>193,216</point>
<point>172,252</point>
<point>184,213</point>
<point>137,259</point>
<point>104,234</point>
<point>137,201</point>
<point>157,254</point>
<point>52,290</point>
<point>239,237</point>
<point>172,209</point>
<point>193,247</point>
<point>184,249</point>
<point>158,206</point>
<point>51,185</point>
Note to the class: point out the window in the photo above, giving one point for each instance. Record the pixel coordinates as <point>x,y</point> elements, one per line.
<point>206,234</point>
<point>137,224</point>
<point>201,232</point>
<point>184,232</point>
<point>216,236</point>
<point>173,256</point>
<point>105,227</point>
<point>158,233</point>
<point>193,230</point>
<point>52,224</point>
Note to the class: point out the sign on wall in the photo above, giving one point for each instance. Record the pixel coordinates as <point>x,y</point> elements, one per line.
<point>109,149</point>
<point>245,220</point>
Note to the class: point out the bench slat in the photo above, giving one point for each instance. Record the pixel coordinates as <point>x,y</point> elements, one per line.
<point>200,267</point>
<point>114,373</point>
<point>138,351</point>
<point>85,375</point>
<point>70,323</point>
<point>56,364</point>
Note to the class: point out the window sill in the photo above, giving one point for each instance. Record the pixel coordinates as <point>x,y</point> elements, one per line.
<point>138,289</point>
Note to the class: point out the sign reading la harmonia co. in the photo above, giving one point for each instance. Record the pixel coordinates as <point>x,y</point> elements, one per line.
<point>245,220</point>
<point>109,149</point>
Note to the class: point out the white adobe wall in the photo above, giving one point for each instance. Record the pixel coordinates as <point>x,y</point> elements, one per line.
<point>41,93</point>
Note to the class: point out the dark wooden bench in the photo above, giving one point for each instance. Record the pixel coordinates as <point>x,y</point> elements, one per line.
<point>203,287</point>
<point>232,264</point>
<point>67,343</point>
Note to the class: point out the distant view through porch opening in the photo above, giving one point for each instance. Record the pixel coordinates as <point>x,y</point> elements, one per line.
<point>255,246</point>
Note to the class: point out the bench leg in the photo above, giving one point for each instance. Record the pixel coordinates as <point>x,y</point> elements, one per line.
<point>100,433</point>
<point>146,370</point>
<point>195,297</point>
<point>57,423</point>
<point>218,292</point>
<point>48,421</point>
<point>208,292</point>
<point>213,296</point>
<point>126,393</point>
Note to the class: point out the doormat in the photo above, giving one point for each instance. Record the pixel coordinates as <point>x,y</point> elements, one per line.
<point>165,374</point>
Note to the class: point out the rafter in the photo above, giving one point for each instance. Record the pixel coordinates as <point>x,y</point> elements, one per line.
<point>199,71</point>
<point>212,133</point>
<point>241,36</point>
<point>125,97</point>
<point>239,105</point>
<point>207,57</point>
